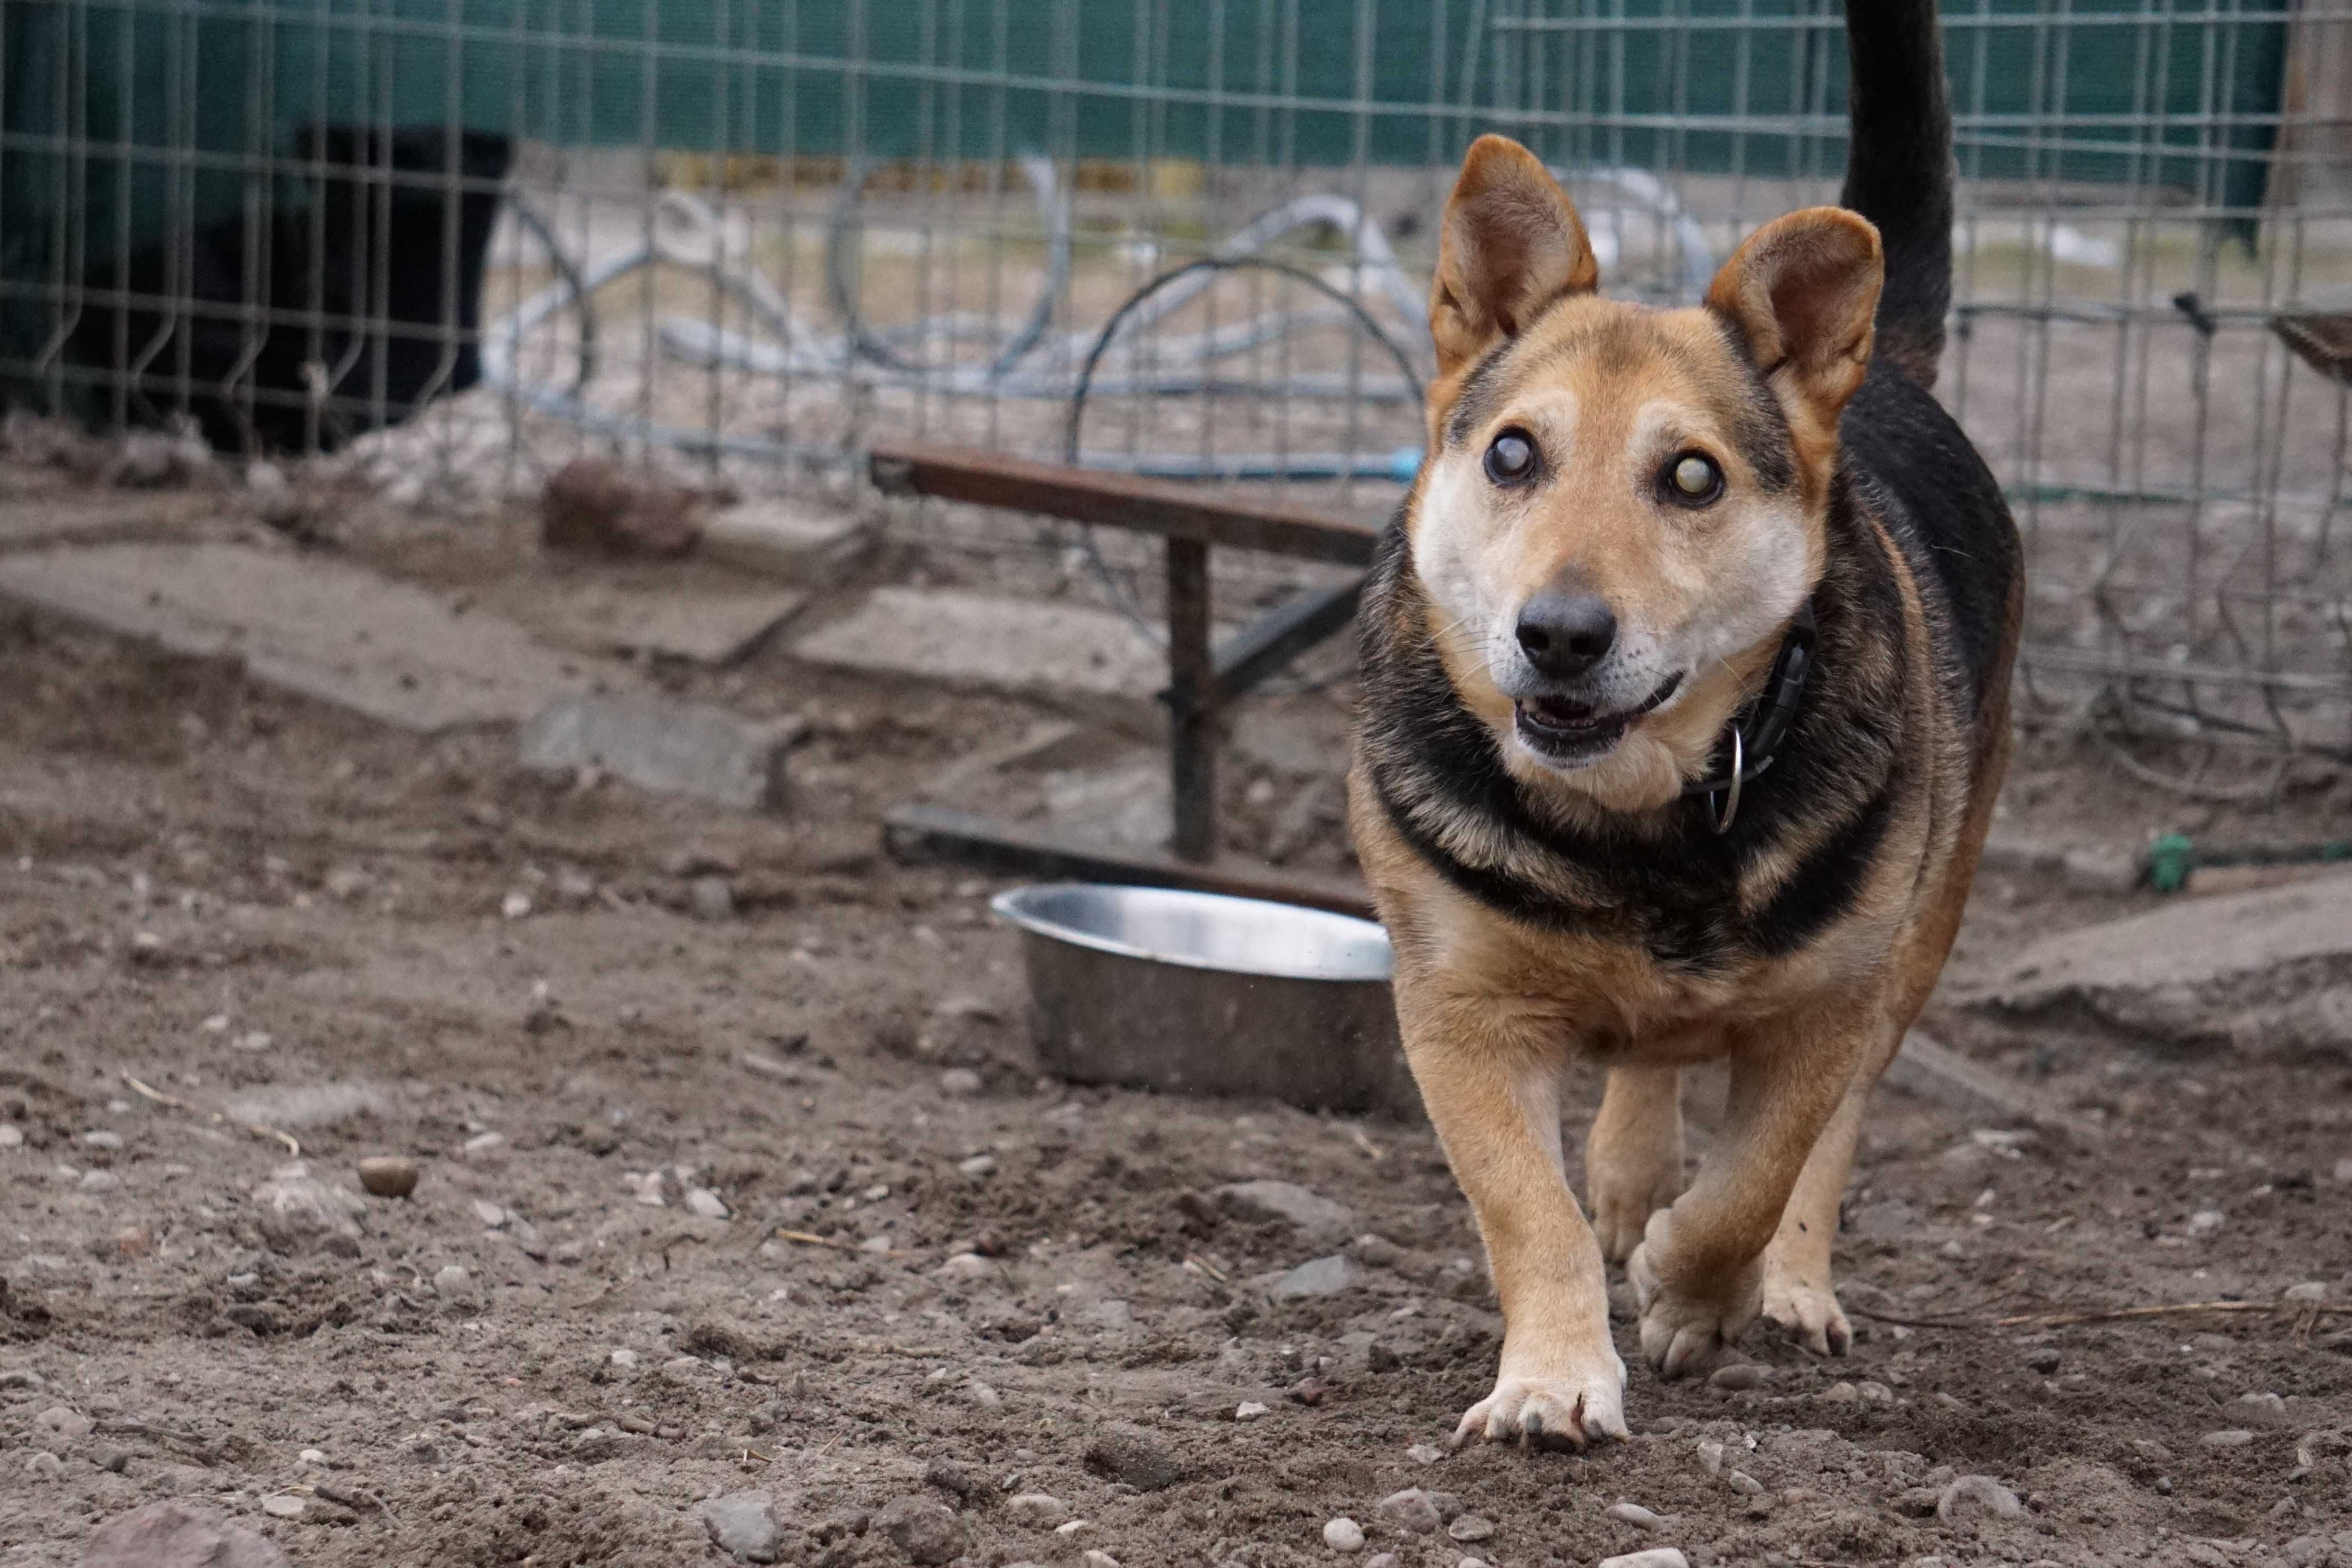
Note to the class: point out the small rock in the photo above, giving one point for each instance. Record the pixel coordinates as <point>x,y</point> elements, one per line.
<point>1919,1502</point>
<point>1038,1508</point>
<point>490,1213</point>
<point>978,1165</point>
<point>1875,1394</point>
<point>1383,1559</point>
<point>389,1176</point>
<point>2309,1291</point>
<point>1710,1457</point>
<point>133,1241</point>
<point>1249,1410</point>
<point>597,1444</point>
<point>1322,1276</point>
<point>966,1266</point>
<point>1126,1454</point>
<point>926,1529</point>
<point>2343,1172</point>
<point>1411,1511</point>
<point>59,1428</point>
<point>1840,1394</point>
<point>11,1135</point>
<point>1654,1557</point>
<point>2045,1361</point>
<point>1634,1514</point>
<point>1070,1529</point>
<point>1973,1499</point>
<point>1745,1484</point>
<point>284,1505</point>
<point>1740,1377</point>
<point>960,1084</point>
<point>1424,1453</point>
<point>2260,1409</point>
<point>2236,1437</point>
<point>626,1360</point>
<point>701,1200</point>
<point>101,1140</point>
<point>2103,868</point>
<point>711,898</point>
<point>99,1181</point>
<point>315,1458</point>
<point>452,1280</point>
<point>43,1465</point>
<point>1286,1201</point>
<point>21,1377</point>
<point>743,1525</point>
<point>297,1211</point>
<point>1448,1504</point>
<point>515,906</point>
<point>948,1476</point>
<point>983,1396</point>
<point>1471,1527</point>
<point>1098,1558</point>
<point>1343,1534</point>
<point>173,1535</point>
<point>2206,1221</point>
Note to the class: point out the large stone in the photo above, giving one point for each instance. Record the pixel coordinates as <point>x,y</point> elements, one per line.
<point>670,748</point>
<point>1027,647</point>
<point>2185,968</point>
<point>1287,1201</point>
<point>391,650</point>
<point>173,1535</point>
<point>743,1524</point>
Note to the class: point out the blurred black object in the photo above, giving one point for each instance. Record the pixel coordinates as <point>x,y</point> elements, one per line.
<point>348,311</point>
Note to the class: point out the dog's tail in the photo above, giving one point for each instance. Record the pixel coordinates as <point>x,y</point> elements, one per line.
<point>1899,171</point>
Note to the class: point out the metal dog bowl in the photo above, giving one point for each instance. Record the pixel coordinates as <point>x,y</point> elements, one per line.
<point>1208,994</point>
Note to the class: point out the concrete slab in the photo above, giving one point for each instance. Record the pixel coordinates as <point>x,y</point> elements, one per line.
<point>34,523</point>
<point>672,747</point>
<point>792,539</point>
<point>2205,944</point>
<point>391,652</point>
<point>1023,646</point>
<point>678,619</point>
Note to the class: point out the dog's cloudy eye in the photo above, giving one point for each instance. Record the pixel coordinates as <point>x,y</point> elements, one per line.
<point>1511,460</point>
<point>1694,478</point>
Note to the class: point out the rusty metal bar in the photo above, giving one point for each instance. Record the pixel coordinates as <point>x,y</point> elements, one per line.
<point>937,832</point>
<point>1116,500</point>
<point>1193,716</point>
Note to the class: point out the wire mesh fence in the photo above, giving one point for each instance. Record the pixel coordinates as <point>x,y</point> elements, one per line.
<point>455,243</point>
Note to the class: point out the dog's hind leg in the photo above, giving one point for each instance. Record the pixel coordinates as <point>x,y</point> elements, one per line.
<point>1699,1272</point>
<point>1633,1156</point>
<point>1799,1293</point>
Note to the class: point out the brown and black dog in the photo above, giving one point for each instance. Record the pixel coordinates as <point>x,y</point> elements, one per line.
<point>1686,699</point>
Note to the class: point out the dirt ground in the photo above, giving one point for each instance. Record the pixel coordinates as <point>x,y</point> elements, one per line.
<point>692,1177</point>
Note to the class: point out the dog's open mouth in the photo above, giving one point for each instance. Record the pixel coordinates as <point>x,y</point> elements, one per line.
<point>1563,730</point>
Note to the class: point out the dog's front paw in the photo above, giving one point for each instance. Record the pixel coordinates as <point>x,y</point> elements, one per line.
<point>1580,1401</point>
<point>1810,1312</point>
<point>1682,1328</point>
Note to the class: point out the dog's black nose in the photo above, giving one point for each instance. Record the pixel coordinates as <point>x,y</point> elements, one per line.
<point>1566,633</point>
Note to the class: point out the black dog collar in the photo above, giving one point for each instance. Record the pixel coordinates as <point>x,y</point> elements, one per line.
<point>1755,744</point>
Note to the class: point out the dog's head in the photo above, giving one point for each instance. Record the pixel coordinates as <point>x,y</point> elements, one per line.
<point>1623,508</point>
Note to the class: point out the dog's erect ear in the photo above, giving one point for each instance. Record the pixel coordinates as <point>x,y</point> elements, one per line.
<point>1511,243</point>
<point>1802,290</point>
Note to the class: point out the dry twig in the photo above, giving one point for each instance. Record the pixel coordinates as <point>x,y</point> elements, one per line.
<point>176,1104</point>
